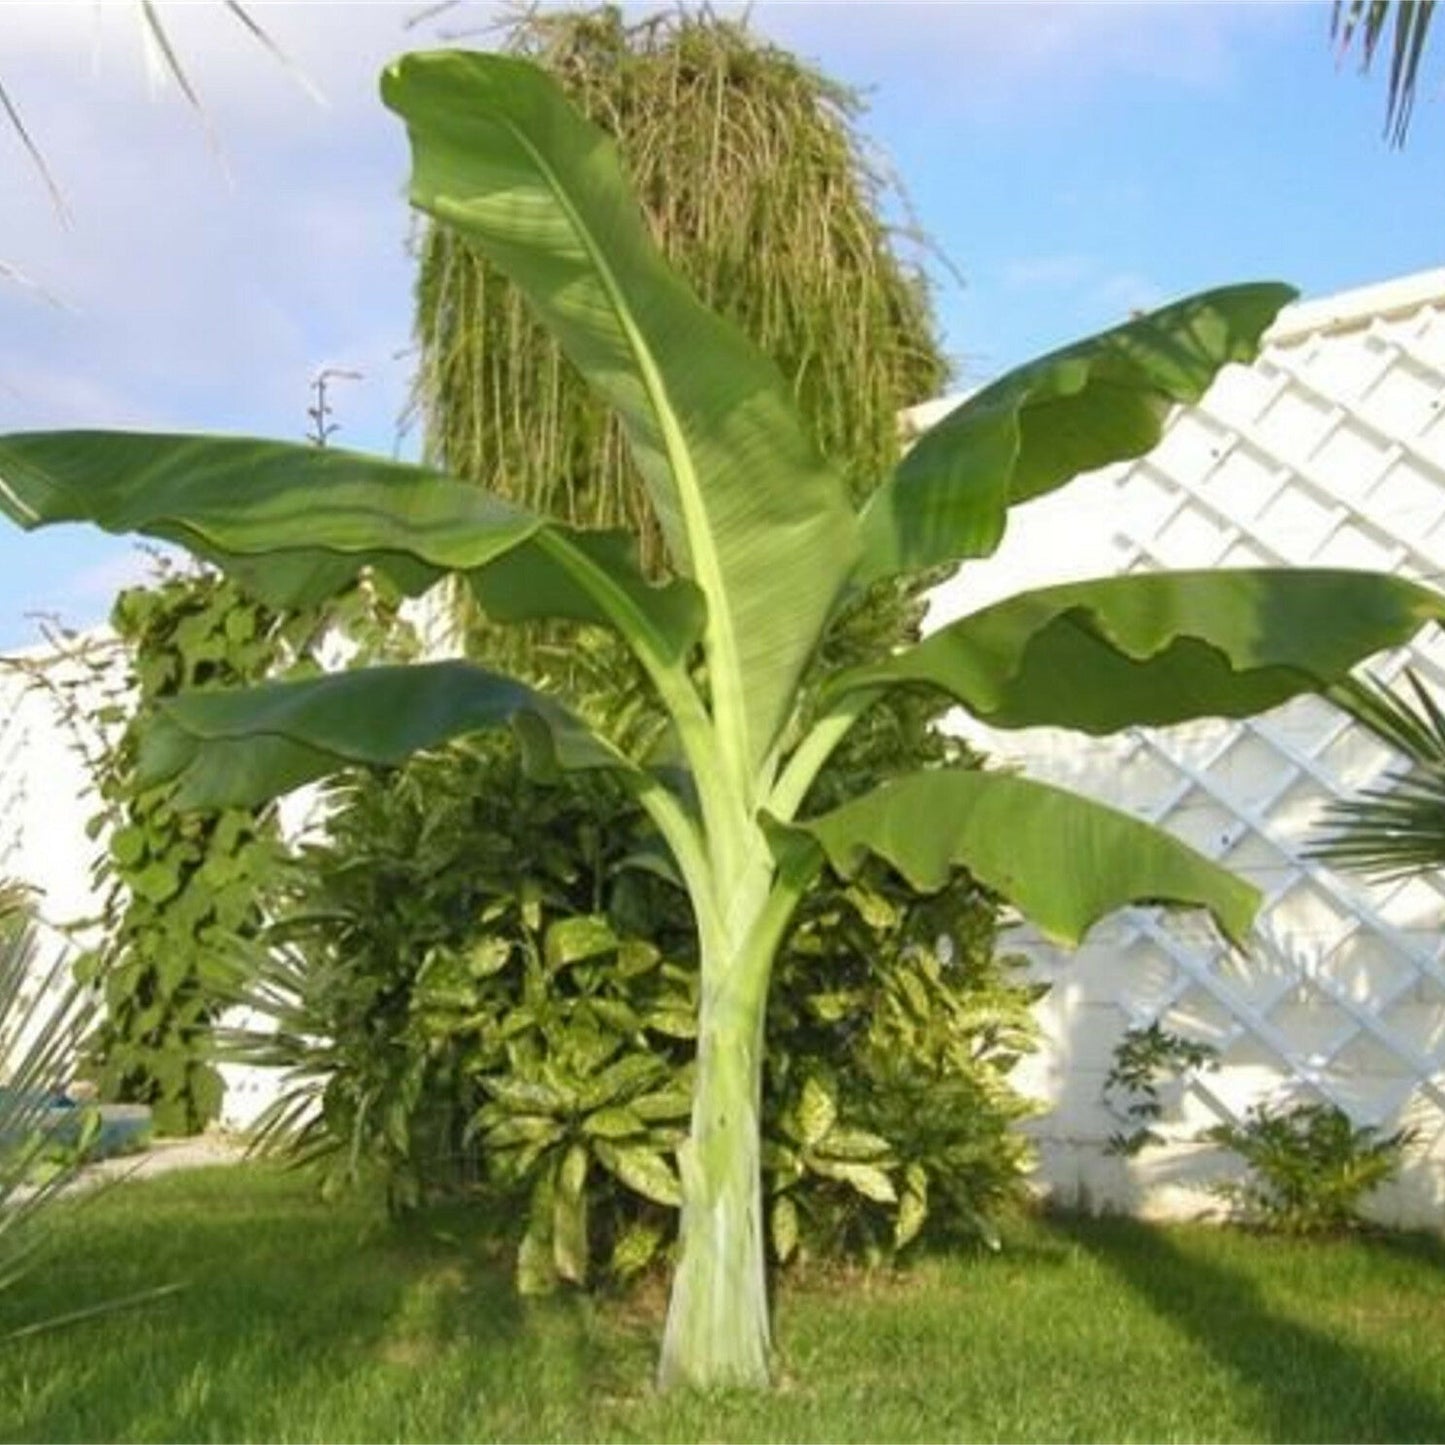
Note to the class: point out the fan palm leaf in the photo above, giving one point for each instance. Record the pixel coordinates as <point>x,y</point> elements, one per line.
<point>1366,22</point>
<point>43,1018</point>
<point>1396,828</point>
<point>164,60</point>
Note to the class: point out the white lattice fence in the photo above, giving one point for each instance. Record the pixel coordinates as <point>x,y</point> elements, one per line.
<point>1329,451</point>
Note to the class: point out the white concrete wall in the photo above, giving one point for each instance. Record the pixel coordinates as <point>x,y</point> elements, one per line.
<point>45,804</point>
<point>1330,450</point>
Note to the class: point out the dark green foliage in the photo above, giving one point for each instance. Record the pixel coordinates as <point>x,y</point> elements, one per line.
<point>488,984</point>
<point>1309,1166</point>
<point>182,889</point>
<point>463,923</point>
<point>485,986</point>
<point>896,1009</point>
<point>1144,1059</point>
<point>892,1032</point>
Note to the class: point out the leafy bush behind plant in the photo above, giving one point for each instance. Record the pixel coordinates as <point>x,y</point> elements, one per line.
<point>443,898</point>
<point>488,982</point>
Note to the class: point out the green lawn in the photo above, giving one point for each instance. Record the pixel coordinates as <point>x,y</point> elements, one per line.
<point>303,1321</point>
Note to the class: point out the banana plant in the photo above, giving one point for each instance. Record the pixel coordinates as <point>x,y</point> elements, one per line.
<point>766,553</point>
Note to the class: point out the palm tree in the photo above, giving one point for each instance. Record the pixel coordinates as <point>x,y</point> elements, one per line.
<point>1366,22</point>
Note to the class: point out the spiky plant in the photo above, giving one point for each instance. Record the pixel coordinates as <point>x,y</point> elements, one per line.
<point>44,1017</point>
<point>1396,828</point>
<point>1407,22</point>
<point>42,1022</point>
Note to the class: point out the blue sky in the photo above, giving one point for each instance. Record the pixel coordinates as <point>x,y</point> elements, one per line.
<point>1072,161</point>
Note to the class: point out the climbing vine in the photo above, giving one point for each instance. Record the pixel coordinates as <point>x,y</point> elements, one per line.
<point>180,889</point>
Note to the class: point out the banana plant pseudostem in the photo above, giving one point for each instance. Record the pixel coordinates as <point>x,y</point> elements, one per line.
<point>766,551</point>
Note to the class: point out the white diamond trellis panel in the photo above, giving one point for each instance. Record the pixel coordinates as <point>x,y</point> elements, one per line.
<point>1328,451</point>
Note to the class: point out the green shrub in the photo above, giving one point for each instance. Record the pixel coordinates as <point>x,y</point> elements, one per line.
<point>488,983</point>
<point>893,1027</point>
<point>461,922</point>
<point>181,890</point>
<point>1309,1166</point>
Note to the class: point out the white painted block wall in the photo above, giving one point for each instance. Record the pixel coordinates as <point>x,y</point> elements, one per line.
<point>1329,451</point>
<point>45,804</point>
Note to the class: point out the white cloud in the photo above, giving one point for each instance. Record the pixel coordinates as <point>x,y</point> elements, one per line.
<point>194,299</point>
<point>1090,278</point>
<point>93,588</point>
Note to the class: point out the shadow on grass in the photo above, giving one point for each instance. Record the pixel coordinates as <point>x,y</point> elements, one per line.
<point>286,1303</point>
<point>1306,1384</point>
<point>1410,1247</point>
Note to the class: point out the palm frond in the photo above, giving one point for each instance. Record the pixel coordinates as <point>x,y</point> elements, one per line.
<point>165,61</point>
<point>1397,828</point>
<point>43,1018</point>
<point>37,156</point>
<point>264,39</point>
<point>1365,22</point>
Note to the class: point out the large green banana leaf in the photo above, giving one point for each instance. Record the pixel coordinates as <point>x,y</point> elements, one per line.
<point>1063,860</point>
<point>748,508</point>
<point>1100,400</point>
<point>298,522</point>
<point>593,577</point>
<point>239,748</point>
<point>1159,647</point>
